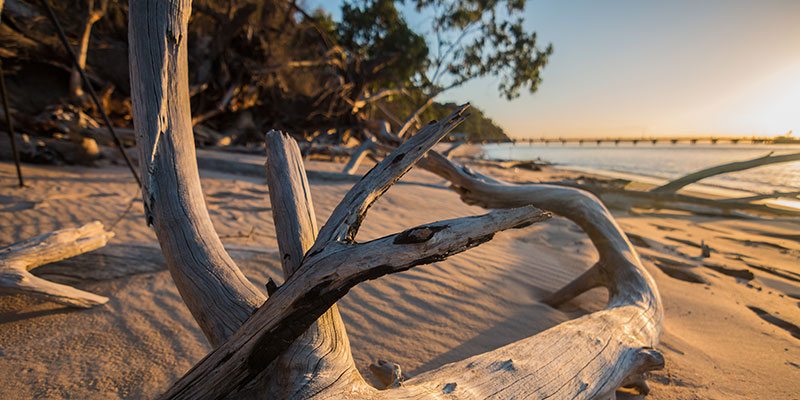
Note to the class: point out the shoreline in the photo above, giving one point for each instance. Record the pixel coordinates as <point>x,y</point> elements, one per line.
<point>695,189</point>
<point>643,182</point>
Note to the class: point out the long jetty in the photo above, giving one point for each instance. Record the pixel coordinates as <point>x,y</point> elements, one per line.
<point>650,140</point>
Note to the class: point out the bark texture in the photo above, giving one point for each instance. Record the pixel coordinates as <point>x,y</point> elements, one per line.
<point>212,286</point>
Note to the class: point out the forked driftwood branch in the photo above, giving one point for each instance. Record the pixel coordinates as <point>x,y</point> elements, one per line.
<point>18,259</point>
<point>293,345</point>
<point>677,184</point>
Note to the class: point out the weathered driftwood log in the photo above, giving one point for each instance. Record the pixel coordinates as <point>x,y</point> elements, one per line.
<point>19,258</point>
<point>330,152</point>
<point>586,358</point>
<point>625,199</point>
<point>358,156</point>
<point>212,286</point>
<point>759,197</point>
<point>334,264</point>
<point>677,184</point>
<point>617,358</point>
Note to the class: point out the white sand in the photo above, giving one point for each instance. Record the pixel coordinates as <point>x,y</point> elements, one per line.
<point>716,344</point>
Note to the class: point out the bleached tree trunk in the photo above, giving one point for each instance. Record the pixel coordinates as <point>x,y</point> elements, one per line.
<point>212,286</point>
<point>93,15</point>
<point>257,342</point>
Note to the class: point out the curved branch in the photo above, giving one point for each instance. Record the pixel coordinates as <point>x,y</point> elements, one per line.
<point>414,117</point>
<point>619,267</point>
<point>212,286</point>
<point>19,258</point>
<point>677,184</point>
<point>346,218</point>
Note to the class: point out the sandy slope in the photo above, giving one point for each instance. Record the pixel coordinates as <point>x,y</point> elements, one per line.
<point>726,338</point>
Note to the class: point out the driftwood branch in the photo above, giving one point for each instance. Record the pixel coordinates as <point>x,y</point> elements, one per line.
<point>324,278</point>
<point>759,197</point>
<point>202,270</point>
<point>321,356</point>
<point>414,118</point>
<point>358,156</point>
<point>677,184</point>
<point>346,218</point>
<point>587,358</point>
<point>607,355</point>
<point>18,259</point>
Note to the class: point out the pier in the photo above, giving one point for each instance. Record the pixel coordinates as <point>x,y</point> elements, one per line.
<point>656,140</point>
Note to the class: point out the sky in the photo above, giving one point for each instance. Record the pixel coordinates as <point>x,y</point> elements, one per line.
<point>650,68</point>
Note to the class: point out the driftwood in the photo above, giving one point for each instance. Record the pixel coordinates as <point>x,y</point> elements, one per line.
<point>414,118</point>
<point>533,165</point>
<point>18,259</point>
<point>256,339</point>
<point>358,156</point>
<point>625,199</point>
<point>677,184</point>
<point>759,197</point>
<point>92,16</point>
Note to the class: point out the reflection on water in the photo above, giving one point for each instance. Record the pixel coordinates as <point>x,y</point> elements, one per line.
<point>666,161</point>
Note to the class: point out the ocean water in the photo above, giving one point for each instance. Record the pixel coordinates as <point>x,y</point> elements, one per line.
<point>661,162</point>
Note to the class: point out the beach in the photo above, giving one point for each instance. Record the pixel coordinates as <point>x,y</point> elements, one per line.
<point>731,320</point>
<point>658,163</point>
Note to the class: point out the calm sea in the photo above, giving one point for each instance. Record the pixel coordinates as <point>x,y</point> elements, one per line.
<point>660,162</point>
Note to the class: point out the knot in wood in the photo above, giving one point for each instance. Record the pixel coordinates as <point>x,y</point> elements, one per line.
<point>418,235</point>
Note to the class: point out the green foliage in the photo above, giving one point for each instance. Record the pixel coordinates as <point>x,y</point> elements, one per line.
<point>375,30</point>
<point>471,39</point>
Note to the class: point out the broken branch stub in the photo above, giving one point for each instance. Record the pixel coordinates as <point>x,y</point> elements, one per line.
<point>321,356</point>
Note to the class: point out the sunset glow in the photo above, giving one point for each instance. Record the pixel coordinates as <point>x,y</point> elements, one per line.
<point>632,68</point>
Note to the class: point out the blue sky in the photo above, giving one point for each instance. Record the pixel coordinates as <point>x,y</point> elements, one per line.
<point>649,68</point>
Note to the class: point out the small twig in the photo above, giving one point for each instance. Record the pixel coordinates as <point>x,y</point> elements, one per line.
<point>90,88</point>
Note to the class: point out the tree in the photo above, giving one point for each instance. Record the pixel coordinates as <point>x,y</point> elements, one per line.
<point>472,39</point>
<point>376,32</point>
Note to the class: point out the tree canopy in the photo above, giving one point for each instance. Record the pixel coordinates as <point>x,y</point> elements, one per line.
<point>468,39</point>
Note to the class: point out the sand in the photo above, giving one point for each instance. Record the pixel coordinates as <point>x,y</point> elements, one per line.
<point>728,333</point>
